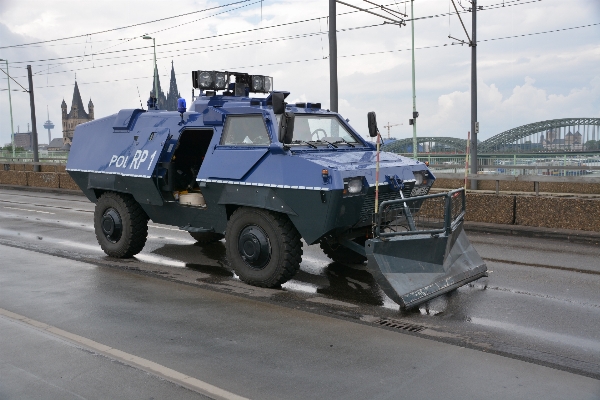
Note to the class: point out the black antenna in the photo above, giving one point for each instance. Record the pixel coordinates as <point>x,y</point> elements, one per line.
<point>141,105</point>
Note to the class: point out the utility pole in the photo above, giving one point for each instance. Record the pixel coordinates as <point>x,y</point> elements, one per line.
<point>415,113</point>
<point>12,129</point>
<point>34,136</point>
<point>333,80</point>
<point>474,123</point>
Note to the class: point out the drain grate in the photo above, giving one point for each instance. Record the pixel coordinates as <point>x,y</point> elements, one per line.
<point>396,324</point>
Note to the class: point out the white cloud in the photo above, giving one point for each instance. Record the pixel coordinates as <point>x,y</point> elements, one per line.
<point>521,80</point>
<point>526,104</point>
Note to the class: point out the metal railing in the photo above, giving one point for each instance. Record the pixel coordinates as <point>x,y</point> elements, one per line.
<point>432,214</point>
<point>558,164</point>
<point>59,157</point>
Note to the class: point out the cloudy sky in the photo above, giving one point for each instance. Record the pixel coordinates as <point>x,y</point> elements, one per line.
<point>521,79</point>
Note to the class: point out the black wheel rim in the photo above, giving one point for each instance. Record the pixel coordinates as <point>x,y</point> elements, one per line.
<point>254,247</point>
<point>112,226</point>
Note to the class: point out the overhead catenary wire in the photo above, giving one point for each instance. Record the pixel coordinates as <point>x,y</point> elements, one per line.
<point>33,44</point>
<point>124,27</point>
<point>353,55</point>
<point>216,47</point>
<point>290,37</point>
<point>180,41</point>
<point>11,78</point>
<point>462,23</point>
<point>246,31</point>
<point>370,12</point>
<point>185,23</point>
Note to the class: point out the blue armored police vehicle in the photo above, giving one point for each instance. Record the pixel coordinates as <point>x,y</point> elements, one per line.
<point>243,165</point>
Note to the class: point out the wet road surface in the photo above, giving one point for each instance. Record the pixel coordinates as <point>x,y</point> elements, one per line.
<point>330,331</point>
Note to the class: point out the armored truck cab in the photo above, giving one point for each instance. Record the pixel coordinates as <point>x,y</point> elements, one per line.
<point>264,174</point>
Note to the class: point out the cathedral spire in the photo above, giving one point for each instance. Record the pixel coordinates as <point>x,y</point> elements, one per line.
<point>77,103</point>
<point>160,96</point>
<point>173,94</point>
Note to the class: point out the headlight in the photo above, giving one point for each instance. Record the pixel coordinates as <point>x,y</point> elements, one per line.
<point>420,178</point>
<point>258,83</point>
<point>353,185</point>
<point>205,80</point>
<point>211,80</point>
<point>268,83</point>
<point>261,84</point>
<point>221,80</point>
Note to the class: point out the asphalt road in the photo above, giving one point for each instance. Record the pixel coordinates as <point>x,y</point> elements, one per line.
<point>527,331</point>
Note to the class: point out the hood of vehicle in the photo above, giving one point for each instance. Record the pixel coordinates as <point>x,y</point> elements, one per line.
<point>356,160</point>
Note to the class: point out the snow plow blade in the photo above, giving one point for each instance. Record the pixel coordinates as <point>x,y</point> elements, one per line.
<point>430,257</point>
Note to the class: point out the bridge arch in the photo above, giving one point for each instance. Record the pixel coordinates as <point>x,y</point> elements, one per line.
<point>442,142</point>
<point>551,135</point>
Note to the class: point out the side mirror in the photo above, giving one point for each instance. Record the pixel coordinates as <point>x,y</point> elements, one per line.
<point>286,127</point>
<point>372,121</point>
<point>278,104</point>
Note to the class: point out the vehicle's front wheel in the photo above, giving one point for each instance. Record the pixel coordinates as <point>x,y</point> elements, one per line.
<point>342,254</point>
<point>206,237</point>
<point>121,225</point>
<point>263,248</point>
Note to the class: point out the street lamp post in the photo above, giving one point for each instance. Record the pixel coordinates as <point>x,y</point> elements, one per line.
<point>155,69</point>
<point>414,94</point>
<point>12,131</point>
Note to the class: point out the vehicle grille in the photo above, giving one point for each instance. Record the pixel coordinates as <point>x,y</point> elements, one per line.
<point>385,194</point>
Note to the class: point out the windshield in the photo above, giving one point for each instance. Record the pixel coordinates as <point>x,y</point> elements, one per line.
<point>309,128</point>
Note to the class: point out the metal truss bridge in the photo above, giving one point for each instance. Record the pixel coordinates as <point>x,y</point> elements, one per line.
<point>555,135</point>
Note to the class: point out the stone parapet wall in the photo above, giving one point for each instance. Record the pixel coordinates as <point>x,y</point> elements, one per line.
<point>66,182</point>
<point>490,208</point>
<point>565,187</point>
<point>522,186</point>
<point>572,212</point>
<point>42,179</point>
<point>507,186</point>
<point>18,178</point>
<point>29,167</point>
<point>562,213</point>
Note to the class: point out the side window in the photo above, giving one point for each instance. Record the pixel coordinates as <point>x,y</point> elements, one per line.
<point>245,130</point>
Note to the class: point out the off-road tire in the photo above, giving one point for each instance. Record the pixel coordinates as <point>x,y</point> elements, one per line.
<point>134,223</point>
<point>285,246</point>
<point>342,254</point>
<point>206,237</point>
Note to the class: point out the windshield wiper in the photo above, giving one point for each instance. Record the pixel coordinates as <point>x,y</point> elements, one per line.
<point>344,140</point>
<point>325,141</point>
<point>304,141</point>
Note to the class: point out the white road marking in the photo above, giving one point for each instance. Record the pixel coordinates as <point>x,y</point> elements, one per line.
<point>150,258</point>
<point>164,227</point>
<point>24,209</point>
<point>137,362</point>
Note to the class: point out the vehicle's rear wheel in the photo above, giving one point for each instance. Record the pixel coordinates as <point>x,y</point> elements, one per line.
<point>342,254</point>
<point>206,237</point>
<point>121,225</point>
<point>263,248</point>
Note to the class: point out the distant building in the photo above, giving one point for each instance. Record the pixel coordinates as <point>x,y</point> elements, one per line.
<point>56,145</point>
<point>573,138</point>
<point>76,116</point>
<point>23,140</point>
<point>168,102</point>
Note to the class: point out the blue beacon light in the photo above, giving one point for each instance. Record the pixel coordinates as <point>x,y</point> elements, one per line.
<point>181,107</point>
